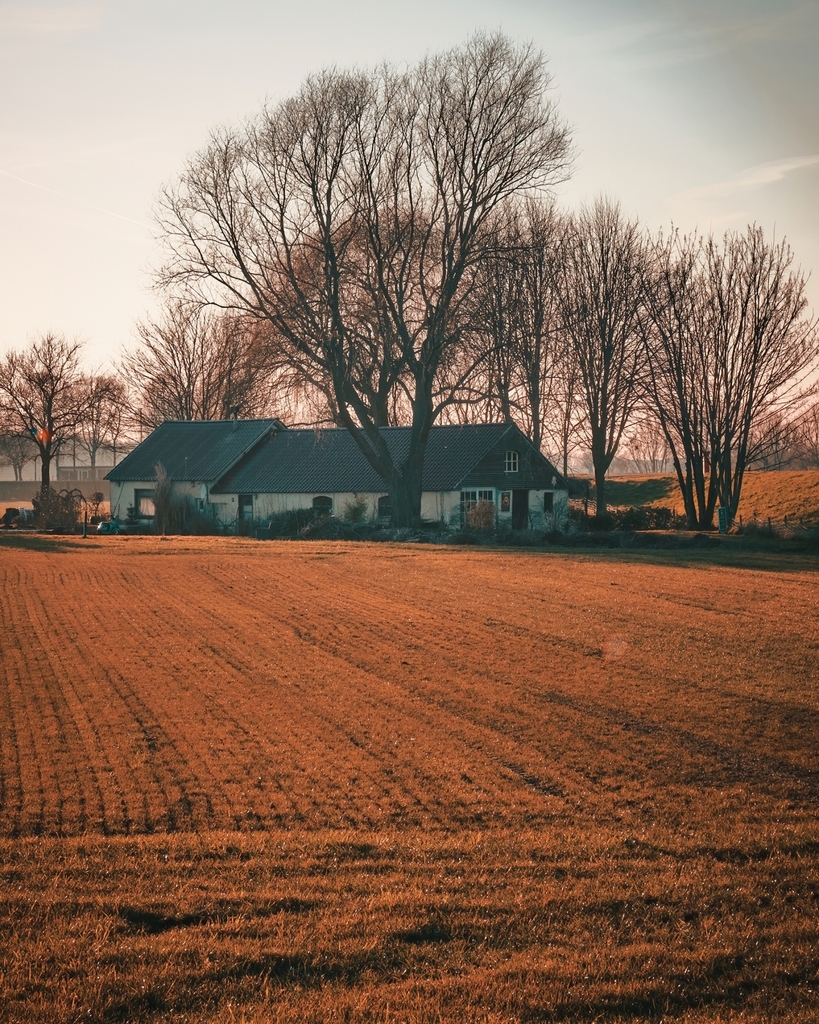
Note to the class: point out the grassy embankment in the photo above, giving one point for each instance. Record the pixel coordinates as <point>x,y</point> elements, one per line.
<point>791,493</point>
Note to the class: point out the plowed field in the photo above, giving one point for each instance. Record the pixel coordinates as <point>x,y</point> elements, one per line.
<point>349,782</point>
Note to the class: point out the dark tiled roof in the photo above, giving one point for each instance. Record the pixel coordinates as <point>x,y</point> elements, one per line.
<point>192,449</point>
<point>330,461</point>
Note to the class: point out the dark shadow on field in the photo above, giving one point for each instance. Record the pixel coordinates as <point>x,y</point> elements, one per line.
<point>708,763</point>
<point>41,542</point>
<point>152,921</point>
<point>720,552</point>
<point>654,1004</point>
<point>724,982</point>
<point>13,540</point>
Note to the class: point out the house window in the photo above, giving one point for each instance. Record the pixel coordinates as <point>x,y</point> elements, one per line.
<point>384,507</point>
<point>144,504</point>
<point>512,462</point>
<point>323,505</point>
<point>548,501</point>
<point>506,501</point>
<point>469,501</point>
<point>245,507</point>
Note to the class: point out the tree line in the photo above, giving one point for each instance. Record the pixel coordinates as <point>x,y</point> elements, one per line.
<point>384,248</point>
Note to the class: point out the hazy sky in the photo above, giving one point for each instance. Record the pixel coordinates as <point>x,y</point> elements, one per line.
<point>700,112</point>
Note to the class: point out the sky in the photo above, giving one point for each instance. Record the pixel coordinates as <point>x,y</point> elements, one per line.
<point>700,113</point>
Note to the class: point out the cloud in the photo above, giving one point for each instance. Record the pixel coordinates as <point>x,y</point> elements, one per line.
<point>751,178</point>
<point>32,19</point>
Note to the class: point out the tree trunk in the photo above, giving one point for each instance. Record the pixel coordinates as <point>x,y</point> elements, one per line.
<point>45,459</point>
<point>405,497</point>
<point>601,463</point>
<point>600,487</point>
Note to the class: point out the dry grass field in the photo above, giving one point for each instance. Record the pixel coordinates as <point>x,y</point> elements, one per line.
<point>774,493</point>
<point>246,781</point>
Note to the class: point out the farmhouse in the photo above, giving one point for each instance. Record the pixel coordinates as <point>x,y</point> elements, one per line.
<point>252,469</point>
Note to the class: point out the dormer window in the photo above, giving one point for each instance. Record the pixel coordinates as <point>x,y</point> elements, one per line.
<point>512,462</point>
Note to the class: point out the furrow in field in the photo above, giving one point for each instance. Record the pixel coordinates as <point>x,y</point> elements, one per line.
<point>318,757</point>
<point>388,699</point>
<point>255,686</point>
<point>99,712</point>
<point>296,714</point>
<point>614,719</point>
<point>11,740</point>
<point>44,749</point>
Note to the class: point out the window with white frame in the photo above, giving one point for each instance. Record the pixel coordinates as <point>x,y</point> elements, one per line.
<point>512,462</point>
<point>469,499</point>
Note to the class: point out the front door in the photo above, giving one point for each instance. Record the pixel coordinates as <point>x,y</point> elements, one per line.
<point>520,510</point>
<point>245,507</point>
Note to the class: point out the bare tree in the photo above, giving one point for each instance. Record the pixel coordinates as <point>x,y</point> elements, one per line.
<point>351,218</point>
<point>729,346</point>
<point>519,315</point>
<point>191,364</point>
<point>16,449</point>
<point>808,427</point>
<point>646,445</point>
<point>600,290</point>
<point>530,374</point>
<point>40,392</point>
<point>775,442</point>
<point>565,423</point>
<point>105,401</point>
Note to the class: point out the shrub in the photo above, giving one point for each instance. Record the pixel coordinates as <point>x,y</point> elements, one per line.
<point>630,520</point>
<point>292,522</point>
<point>179,513</point>
<point>602,523</point>
<point>57,510</point>
<point>355,511</point>
<point>481,516</point>
<point>95,500</point>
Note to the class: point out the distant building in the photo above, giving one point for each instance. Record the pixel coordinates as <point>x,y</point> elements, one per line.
<point>70,470</point>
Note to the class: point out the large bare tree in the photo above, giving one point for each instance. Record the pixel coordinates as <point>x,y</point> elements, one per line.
<point>40,391</point>
<point>600,287</point>
<point>351,217</point>
<point>729,345</point>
